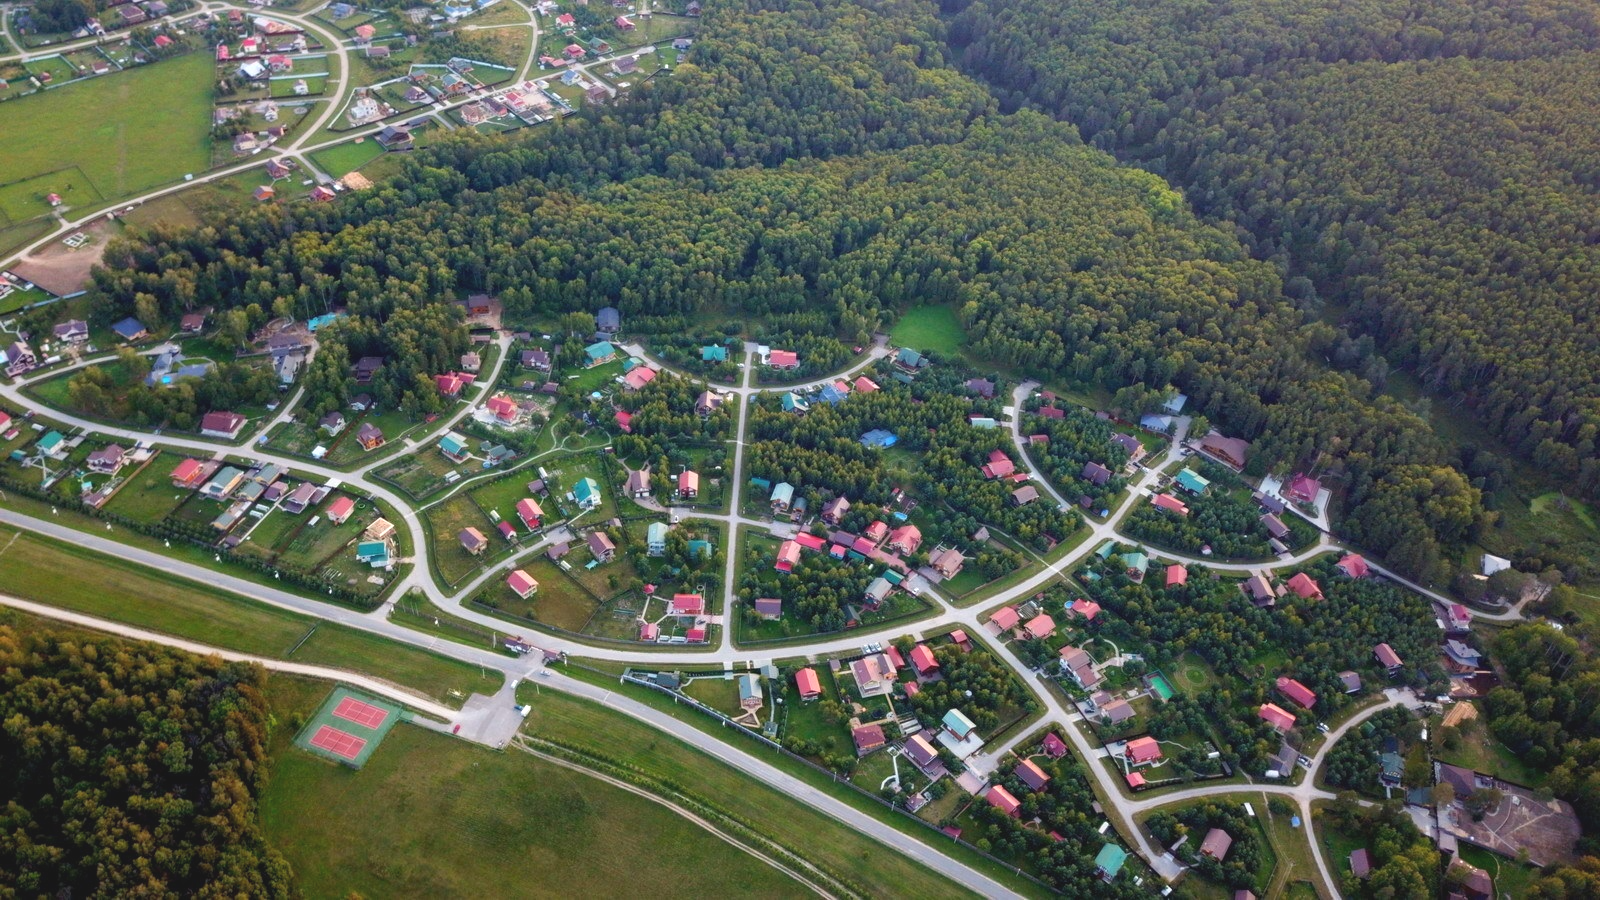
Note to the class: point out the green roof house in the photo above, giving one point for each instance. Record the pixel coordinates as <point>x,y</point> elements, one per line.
<point>1192,481</point>
<point>1137,564</point>
<point>1109,861</point>
<point>50,444</point>
<point>656,538</point>
<point>374,553</point>
<point>587,493</point>
<point>698,549</point>
<point>453,445</point>
<point>600,352</point>
<point>714,353</point>
<point>957,723</point>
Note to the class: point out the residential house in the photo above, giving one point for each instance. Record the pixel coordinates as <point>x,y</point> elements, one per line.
<point>878,437</point>
<point>339,510</point>
<point>1458,619</point>
<point>808,684</point>
<point>1169,503</point>
<point>1232,451</point>
<point>1001,799</point>
<point>332,423</point>
<point>834,510</point>
<point>1109,861</point>
<point>73,331</point>
<point>923,661</point>
<point>1004,619</point>
<point>1191,481</point>
<point>999,465</point>
<point>504,409</point>
<point>300,499</point>
<point>707,403</point>
<point>365,368</point>
<point>865,385</point>
<point>905,539</point>
<point>788,556</point>
<point>1460,658</point>
<point>948,562</point>
<point>369,436</point>
<point>586,493</point>
<point>194,323</point>
<point>1096,474</point>
<point>1296,691</point>
<point>920,751</point>
<point>958,725</point>
<point>1040,627</point>
<point>1274,525</point>
<point>529,511</point>
<point>1079,666</point>
<point>873,674</point>
<point>1141,751</point>
<point>538,360</point>
<point>983,387</point>
<point>1116,712</point>
<point>1177,575</point>
<point>1031,775</point>
<point>655,538</point>
<point>472,540</point>
<point>1136,564</point>
<point>1024,495</point>
<point>107,461</point>
<point>1302,488</point>
<point>783,359</point>
<point>794,403</point>
<point>599,353</point>
<point>454,446</point>
<point>638,377</point>
<point>221,424</point>
<point>1351,681</point>
<point>188,474</point>
<point>521,583</point>
<point>1361,863</point>
<point>688,484</point>
<point>769,608</point>
<point>867,738</point>
<point>1387,658</point>
<point>878,590</point>
<point>1084,609</point>
<point>608,320</point>
<point>1353,565</point>
<point>750,693</point>
<point>1259,589</point>
<point>638,482</point>
<point>600,546</point>
<point>782,496</point>
<point>1129,443</point>
<point>876,532</point>
<point>1216,844</point>
<point>624,421</point>
<point>1279,718</point>
<point>19,359</point>
<point>1304,587</point>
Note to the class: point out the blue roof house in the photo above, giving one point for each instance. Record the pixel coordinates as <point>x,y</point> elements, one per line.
<point>130,329</point>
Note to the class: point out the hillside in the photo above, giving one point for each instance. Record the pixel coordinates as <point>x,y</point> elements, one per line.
<point>1426,169</point>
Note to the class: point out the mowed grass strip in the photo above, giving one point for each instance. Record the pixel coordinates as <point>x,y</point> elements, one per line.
<point>47,571</point>
<point>926,328</point>
<point>485,824</point>
<point>837,848</point>
<point>126,132</point>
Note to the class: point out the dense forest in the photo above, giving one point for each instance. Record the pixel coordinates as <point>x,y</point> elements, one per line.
<point>1424,166</point>
<point>815,169</point>
<point>130,770</point>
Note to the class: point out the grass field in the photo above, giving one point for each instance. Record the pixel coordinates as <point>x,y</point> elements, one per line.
<point>342,159</point>
<point>839,850</point>
<point>37,568</point>
<point>445,522</point>
<point>121,134</point>
<point>933,328</point>
<point>481,823</point>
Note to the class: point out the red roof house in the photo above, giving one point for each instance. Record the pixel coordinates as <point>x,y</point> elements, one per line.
<point>625,421</point>
<point>1296,691</point>
<point>1177,575</point>
<point>1040,627</point>
<point>922,659</point>
<point>695,635</point>
<point>529,511</point>
<point>788,556</point>
<point>783,359</point>
<point>1005,618</point>
<point>1031,775</point>
<point>1304,587</point>
<point>522,583</point>
<point>1353,565</point>
<point>1302,488</point>
<point>1086,609</point>
<point>810,686</point>
<point>999,465</point>
<point>1170,504</point>
<point>187,474</point>
<point>1053,746</point>
<point>1276,716</point>
<point>1387,657</point>
<point>687,605</point>
<point>1001,799</point>
<point>1142,750</point>
<point>340,509</point>
<point>866,385</point>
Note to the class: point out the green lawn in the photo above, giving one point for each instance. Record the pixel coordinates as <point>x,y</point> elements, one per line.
<point>481,823</point>
<point>933,328</point>
<point>342,159</point>
<point>40,569</point>
<point>445,522</point>
<point>107,137</point>
<point>149,496</point>
<point>837,849</point>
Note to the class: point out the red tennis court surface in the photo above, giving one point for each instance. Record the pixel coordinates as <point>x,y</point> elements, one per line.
<point>360,713</point>
<point>337,742</point>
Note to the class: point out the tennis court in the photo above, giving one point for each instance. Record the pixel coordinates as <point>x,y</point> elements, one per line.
<point>348,727</point>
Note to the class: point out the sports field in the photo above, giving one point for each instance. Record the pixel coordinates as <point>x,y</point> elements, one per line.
<point>348,727</point>
<point>106,138</point>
